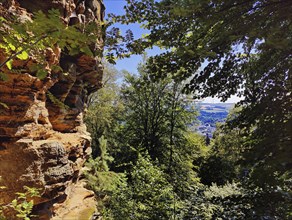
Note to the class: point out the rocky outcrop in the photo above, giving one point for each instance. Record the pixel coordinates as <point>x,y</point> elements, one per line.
<point>42,144</point>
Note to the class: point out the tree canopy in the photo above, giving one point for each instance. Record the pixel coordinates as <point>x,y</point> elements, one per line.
<point>215,42</point>
<point>222,48</point>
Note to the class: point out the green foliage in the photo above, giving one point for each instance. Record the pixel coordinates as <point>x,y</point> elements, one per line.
<point>56,101</point>
<point>30,38</point>
<point>221,164</point>
<point>3,77</point>
<point>155,115</point>
<point>225,48</point>
<point>105,108</point>
<point>213,36</point>
<point>100,179</point>
<point>23,55</point>
<point>155,122</point>
<point>22,205</point>
<point>222,202</point>
<point>219,48</point>
<point>148,195</point>
<point>229,160</point>
<point>152,121</point>
<point>198,180</point>
<point>41,74</point>
<point>215,169</point>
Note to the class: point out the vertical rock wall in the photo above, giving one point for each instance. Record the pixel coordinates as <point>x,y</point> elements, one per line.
<point>41,144</point>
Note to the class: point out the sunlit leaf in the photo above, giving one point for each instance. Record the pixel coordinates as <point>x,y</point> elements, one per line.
<point>23,55</point>
<point>12,47</point>
<point>9,64</point>
<point>4,105</point>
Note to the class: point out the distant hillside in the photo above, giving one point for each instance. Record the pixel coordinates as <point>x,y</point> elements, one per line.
<point>210,114</point>
<point>215,107</point>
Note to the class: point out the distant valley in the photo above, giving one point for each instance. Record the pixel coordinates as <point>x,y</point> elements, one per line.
<point>210,114</point>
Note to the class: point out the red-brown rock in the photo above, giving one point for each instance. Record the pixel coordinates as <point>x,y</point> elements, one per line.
<point>42,144</point>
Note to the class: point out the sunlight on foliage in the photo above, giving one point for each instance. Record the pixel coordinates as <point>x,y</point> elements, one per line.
<point>29,39</point>
<point>22,205</point>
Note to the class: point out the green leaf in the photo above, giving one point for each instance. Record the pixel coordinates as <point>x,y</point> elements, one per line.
<point>41,73</point>
<point>34,67</point>
<point>5,106</point>
<point>23,55</point>
<point>57,102</point>
<point>14,203</point>
<point>12,47</point>
<point>21,195</point>
<point>86,50</point>
<point>4,46</point>
<point>56,68</point>
<point>9,64</point>
<point>3,77</point>
<point>74,51</point>
<point>2,19</point>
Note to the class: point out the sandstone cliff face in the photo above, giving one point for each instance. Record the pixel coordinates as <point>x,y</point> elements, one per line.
<point>41,144</point>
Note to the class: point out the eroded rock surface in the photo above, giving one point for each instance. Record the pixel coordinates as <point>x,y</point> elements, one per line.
<point>42,144</point>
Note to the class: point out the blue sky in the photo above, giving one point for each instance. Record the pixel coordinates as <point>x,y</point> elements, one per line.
<point>130,64</point>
